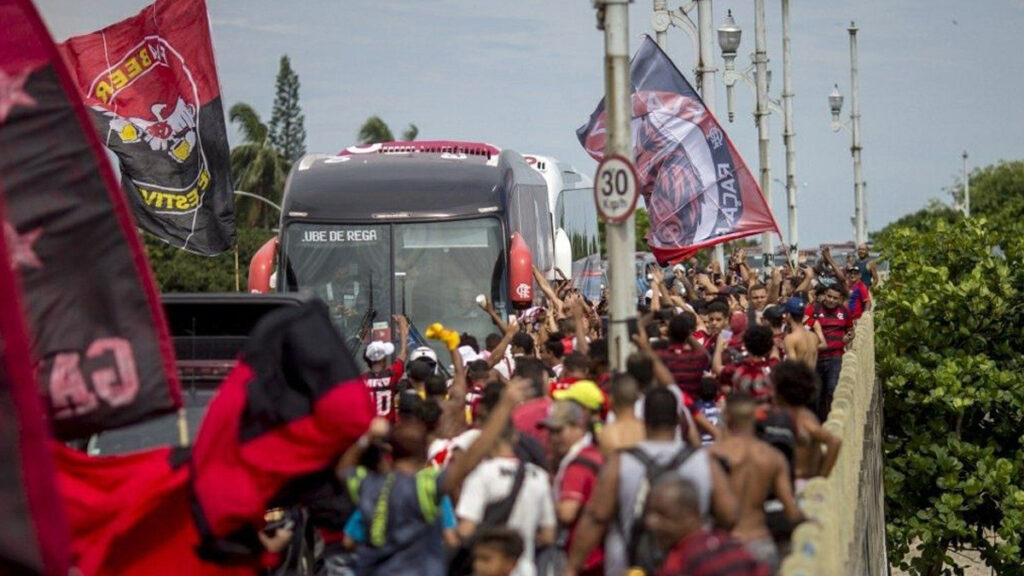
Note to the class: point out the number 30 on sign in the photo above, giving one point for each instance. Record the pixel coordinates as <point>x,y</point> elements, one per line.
<point>615,189</point>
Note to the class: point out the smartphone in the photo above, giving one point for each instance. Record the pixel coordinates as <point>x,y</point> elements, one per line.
<point>727,334</point>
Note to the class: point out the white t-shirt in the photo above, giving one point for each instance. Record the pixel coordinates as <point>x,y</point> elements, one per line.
<point>534,508</point>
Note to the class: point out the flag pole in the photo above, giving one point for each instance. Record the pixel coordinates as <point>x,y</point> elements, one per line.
<point>613,18</point>
<point>182,427</point>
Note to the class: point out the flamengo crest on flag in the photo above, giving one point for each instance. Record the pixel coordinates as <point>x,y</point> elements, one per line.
<point>697,189</point>
<point>98,336</point>
<point>151,85</point>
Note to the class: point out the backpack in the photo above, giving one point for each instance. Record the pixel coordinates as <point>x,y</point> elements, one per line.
<point>495,514</point>
<point>642,548</point>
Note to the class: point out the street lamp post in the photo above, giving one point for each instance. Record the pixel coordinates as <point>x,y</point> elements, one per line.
<point>967,189</point>
<point>788,135</point>
<point>835,102</point>
<point>729,35</point>
<point>613,18</point>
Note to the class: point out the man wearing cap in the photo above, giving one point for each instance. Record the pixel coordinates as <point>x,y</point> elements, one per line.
<point>382,379</point>
<point>579,462</point>
<point>860,295</point>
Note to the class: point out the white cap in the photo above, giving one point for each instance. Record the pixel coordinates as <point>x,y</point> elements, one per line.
<point>377,350</point>
<point>423,352</point>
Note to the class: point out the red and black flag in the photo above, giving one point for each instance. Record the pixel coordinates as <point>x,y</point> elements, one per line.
<point>291,406</point>
<point>697,189</point>
<point>95,322</point>
<point>33,534</point>
<point>150,83</point>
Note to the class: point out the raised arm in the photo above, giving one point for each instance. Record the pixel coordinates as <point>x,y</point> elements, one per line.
<point>403,336</point>
<point>488,307</point>
<point>511,395</point>
<point>498,354</point>
<point>378,430</point>
<point>549,293</point>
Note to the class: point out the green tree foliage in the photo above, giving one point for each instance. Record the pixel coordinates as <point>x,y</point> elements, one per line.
<point>258,168</point>
<point>374,131</point>
<point>951,357</point>
<point>180,271</point>
<point>411,133</point>
<point>287,124</point>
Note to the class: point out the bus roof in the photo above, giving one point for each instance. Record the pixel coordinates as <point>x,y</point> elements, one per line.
<point>362,187</point>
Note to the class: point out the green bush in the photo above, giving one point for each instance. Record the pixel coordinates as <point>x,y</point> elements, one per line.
<point>179,271</point>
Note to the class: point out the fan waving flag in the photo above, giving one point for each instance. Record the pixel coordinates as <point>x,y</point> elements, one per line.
<point>697,189</point>
<point>150,83</point>
<point>103,356</point>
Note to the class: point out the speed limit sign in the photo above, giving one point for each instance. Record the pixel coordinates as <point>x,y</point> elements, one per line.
<point>615,189</point>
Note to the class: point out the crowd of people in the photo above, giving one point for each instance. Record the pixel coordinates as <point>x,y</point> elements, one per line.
<point>528,455</point>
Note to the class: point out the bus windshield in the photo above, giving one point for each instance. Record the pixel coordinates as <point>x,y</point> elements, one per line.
<point>431,272</point>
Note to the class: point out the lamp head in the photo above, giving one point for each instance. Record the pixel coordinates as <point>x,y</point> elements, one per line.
<point>729,35</point>
<point>835,103</point>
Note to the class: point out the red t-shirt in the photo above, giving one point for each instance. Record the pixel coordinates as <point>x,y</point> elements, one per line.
<point>578,484</point>
<point>835,323</point>
<point>382,388</point>
<point>751,375</point>
<point>687,366</point>
<point>561,384</point>
<point>706,553</point>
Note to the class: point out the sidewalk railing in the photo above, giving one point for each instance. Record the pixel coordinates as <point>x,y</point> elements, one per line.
<point>845,531</point>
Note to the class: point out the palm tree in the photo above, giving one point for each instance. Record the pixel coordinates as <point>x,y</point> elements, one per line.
<point>374,131</point>
<point>411,134</point>
<point>257,167</point>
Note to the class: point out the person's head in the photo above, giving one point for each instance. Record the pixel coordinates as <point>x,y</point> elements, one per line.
<point>758,296</point>
<point>533,370</point>
<point>467,339</point>
<point>740,410</point>
<point>376,355</point>
<point>419,370</point>
<point>661,413</point>
<point>672,510</point>
<point>491,342</point>
<point>758,340</point>
<point>566,325</point>
<point>709,388</point>
<point>624,390</point>
<point>852,275</point>
<point>488,400</point>
<point>832,297</point>
<point>794,309</point>
<point>552,352</point>
<point>641,368</point>
<point>718,313</point>
<point>598,355</point>
<point>862,251</point>
<point>522,344</point>
<point>496,550</point>
<point>435,386</point>
<point>795,383</point>
<point>773,317</point>
<point>478,372</point>
<point>567,424</point>
<point>681,327</point>
<point>408,441</point>
<point>576,365</point>
<point>426,354</point>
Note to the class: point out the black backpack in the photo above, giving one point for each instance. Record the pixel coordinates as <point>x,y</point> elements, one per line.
<point>643,551</point>
<point>496,514</point>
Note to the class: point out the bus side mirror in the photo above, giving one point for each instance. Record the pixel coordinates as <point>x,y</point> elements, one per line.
<point>262,277</point>
<point>520,273</point>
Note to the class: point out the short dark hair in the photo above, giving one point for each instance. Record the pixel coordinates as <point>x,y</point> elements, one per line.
<point>758,340</point>
<point>491,341</point>
<point>681,327</point>
<point>757,287</point>
<point>641,368</point>
<point>661,409</point>
<point>467,339</point>
<point>623,389</point>
<point>555,347</point>
<point>478,369</point>
<point>507,541</point>
<point>576,361</point>
<point>419,369</point>
<point>709,388</point>
<point>491,396</point>
<point>795,383</point>
<point>524,341</point>
<point>718,306</point>
<point>531,368</point>
<point>435,385</point>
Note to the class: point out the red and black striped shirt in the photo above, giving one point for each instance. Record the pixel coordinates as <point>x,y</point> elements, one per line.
<point>706,553</point>
<point>687,366</point>
<point>835,323</point>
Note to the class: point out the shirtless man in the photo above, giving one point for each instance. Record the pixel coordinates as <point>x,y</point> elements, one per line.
<point>795,386</point>
<point>801,344</point>
<point>756,471</point>
<point>627,430</point>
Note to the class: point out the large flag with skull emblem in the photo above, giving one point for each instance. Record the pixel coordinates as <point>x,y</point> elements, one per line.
<point>150,83</point>
<point>102,354</point>
<point>697,189</point>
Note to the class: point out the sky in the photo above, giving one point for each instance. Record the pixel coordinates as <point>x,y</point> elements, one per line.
<point>937,77</point>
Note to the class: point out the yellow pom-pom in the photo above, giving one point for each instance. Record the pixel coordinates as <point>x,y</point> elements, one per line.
<point>434,331</point>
